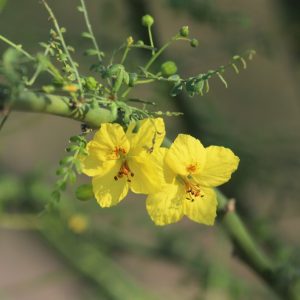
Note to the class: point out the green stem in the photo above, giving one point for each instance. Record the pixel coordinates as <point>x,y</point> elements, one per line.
<point>150,62</point>
<point>38,69</point>
<point>125,55</point>
<point>56,105</point>
<point>63,43</point>
<point>157,54</point>
<point>151,40</point>
<point>90,29</point>
<point>247,249</point>
<point>17,47</point>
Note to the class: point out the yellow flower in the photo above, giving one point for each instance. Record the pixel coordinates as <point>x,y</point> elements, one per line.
<point>78,223</point>
<point>120,161</point>
<point>192,172</point>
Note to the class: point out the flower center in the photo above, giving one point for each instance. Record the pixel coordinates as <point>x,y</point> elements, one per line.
<point>191,168</point>
<point>192,190</point>
<point>124,171</point>
<point>119,151</point>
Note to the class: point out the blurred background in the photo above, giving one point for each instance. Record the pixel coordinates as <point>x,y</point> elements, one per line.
<point>85,252</point>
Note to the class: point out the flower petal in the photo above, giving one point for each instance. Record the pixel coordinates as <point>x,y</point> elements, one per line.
<point>166,207</point>
<point>107,138</point>
<point>149,136</point>
<point>202,209</point>
<point>220,164</point>
<point>148,169</point>
<point>93,164</point>
<point>109,191</point>
<point>186,155</point>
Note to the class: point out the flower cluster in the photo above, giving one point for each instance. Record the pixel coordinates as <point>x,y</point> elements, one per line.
<point>178,181</point>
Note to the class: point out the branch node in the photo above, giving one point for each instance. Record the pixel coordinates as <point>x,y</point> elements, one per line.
<point>231,206</point>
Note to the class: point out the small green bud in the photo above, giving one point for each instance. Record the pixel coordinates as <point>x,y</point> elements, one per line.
<point>129,41</point>
<point>48,89</point>
<point>168,68</point>
<point>91,83</point>
<point>84,192</point>
<point>140,43</point>
<point>194,43</point>
<point>184,31</point>
<point>147,20</point>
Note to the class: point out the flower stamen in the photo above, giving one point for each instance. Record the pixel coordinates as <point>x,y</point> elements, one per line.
<point>193,191</point>
<point>119,151</point>
<point>124,171</point>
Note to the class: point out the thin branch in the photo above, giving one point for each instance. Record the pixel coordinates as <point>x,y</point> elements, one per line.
<point>89,27</point>
<point>17,47</point>
<point>56,105</point>
<point>6,115</point>
<point>63,43</point>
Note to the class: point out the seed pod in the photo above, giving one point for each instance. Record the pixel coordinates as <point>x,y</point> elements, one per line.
<point>168,68</point>
<point>184,31</point>
<point>147,20</point>
<point>194,43</point>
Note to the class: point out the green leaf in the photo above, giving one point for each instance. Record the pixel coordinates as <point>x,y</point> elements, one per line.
<point>66,160</point>
<point>76,139</point>
<point>114,110</point>
<point>199,87</point>
<point>72,177</point>
<point>43,60</point>
<point>91,52</point>
<point>48,89</point>
<point>177,88</point>
<point>190,87</point>
<point>61,184</point>
<point>56,195</point>
<point>12,65</point>
<point>61,171</point>
<point>86,35</point>
<point>84,192</point>
<point>80,8</point>
<point>118,82</point>
<point>91,83</point>
<point>126,78</point>
<point>114,70</point>
<point>174,77</point>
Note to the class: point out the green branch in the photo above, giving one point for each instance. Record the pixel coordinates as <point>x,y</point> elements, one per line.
<point>90,30</point>
<point>55,105</point>
<point>63,44</point>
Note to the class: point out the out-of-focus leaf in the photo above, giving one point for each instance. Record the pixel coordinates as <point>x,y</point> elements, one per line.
<point>2,4</point>
<point>11,65</point>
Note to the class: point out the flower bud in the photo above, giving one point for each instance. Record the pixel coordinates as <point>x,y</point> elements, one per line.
<point>78,223</point>
<point>184,31</point>
<point>91,83</point>
<point>194,43</point>
<point>168,68</point>
<point>147,20</point>
<point>129,41</point>
<point>140,43</point>
<point>71,88</point>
